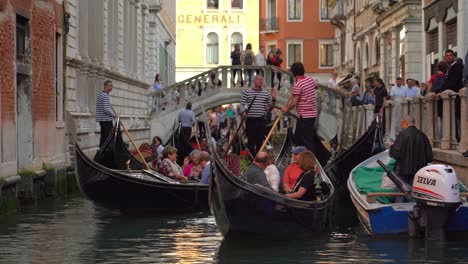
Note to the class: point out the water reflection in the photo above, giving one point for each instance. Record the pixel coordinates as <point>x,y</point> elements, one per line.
<point>76,231</point>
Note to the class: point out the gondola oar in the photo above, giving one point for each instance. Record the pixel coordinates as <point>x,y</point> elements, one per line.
<point>278,118</point>
<point>133,143</point>
<point>238,128</point>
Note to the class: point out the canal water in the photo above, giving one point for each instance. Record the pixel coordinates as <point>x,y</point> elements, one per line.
<point>74,230</point>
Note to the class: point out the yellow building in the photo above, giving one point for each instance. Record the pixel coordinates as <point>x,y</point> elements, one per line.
<point>207,31</point>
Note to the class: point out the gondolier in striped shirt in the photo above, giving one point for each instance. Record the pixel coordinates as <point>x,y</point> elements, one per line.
<point>303,98</point>
<point>255,122</point>
<point>104,113</point>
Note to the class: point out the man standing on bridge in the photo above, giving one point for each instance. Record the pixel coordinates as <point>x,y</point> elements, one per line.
<point>255,122</point>
<point>187,120</point>
<point>411,150</point>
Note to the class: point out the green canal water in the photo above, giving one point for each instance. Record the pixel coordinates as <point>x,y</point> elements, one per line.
<point>74,230</point>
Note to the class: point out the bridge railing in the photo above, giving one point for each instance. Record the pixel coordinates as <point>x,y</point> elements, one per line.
<point>195,88</point>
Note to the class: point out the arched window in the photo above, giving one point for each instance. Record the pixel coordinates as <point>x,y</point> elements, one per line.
<point>367,57</point>
<point>358,62</point>
<point>212,48</point>
<point>236,38</point>
<point>377,50</point>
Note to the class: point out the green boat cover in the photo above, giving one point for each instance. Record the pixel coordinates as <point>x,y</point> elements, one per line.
<point>369,179</point>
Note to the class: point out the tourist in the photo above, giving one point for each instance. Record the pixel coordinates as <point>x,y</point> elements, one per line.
<point>276,60</point>
<point>230,112</point>
<point>157,86</point>
<point>398,91</point>
<point>236,61</point>
<point>423,89</point>
<point>356,96</point>
<point>271,171</point>
<point>293,171</point>
<point>260,61</point>
<point>255,122</point>
<point>221,116</point>
<point>194,168</point>
<point>255,173</point>
<point>412,90</point>
<point>305,186</point>
<point>380,93</point>
<point>206,164</point>
<point>157,147</point>
<point>168,165</point>
<point>303,99</point>
<point>332,84</point>
<point>248,59</point>
<point>454,82</point>
<point>411,150</point>
<point>104,112</point>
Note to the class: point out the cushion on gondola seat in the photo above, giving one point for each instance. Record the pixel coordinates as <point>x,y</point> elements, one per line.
<point>233,164</point>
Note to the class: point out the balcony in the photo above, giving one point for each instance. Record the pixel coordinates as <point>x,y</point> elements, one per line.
<point>337,10</point>
<point>269,25</point>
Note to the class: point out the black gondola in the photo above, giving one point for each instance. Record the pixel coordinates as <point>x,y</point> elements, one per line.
<point>133,190</point>
<point>369,144</point>
<point>240,207</point>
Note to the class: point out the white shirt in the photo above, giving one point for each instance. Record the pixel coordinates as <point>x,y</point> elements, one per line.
<point>273,176</point>
<point>332,83</point>
<point>160,150</point>
<point>259,60</point>
<point>398,92</point>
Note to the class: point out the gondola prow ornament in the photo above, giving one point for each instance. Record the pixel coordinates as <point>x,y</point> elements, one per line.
<point>437,196</point>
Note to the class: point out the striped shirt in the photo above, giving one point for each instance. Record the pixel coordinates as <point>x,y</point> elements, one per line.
<point>262,100</point>
<point>305,88</point>
<point>186,117</point>
<point>103,108</point>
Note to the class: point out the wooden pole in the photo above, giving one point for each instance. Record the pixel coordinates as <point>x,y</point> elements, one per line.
<point>278,118</point>
<point>238,128</point>
<point>135,146</point>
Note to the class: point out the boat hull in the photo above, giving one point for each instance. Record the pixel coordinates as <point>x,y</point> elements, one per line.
<point>137,190</point>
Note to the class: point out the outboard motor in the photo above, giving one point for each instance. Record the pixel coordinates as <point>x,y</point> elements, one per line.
<point>437,196</point>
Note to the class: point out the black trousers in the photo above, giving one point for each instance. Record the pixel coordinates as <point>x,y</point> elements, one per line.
<point>304,135</point>
<point>234,73</point>
<point>106,129</point>
<point>255,127</point>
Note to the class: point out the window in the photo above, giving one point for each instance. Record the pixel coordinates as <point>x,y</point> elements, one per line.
<point>324,9</point>
<point>326,55</point>
<point>367,57</point>
<point>212,48</point>
<point>212,4</point>
<point>377,51</point>
<point>294,10</point>
<point>271,48</point>
<point>236,38</point>
<point>21,34</point>
<point>433,43</point>
<point>294,53</point>
<point>237,4</point>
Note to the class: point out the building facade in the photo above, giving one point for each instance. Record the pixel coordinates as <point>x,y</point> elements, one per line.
<point>31,84</point>
<point>444,27</point>
<point>378,38</point>
<point>207,31</point>
<point>117,40</point>
<point>302,30</point>
<point>162,41</point>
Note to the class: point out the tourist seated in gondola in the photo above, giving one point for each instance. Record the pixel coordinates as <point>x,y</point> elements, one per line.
<point>157,147</point>
<point>293,171</point>
<point>146,152</point>
<point>168,165</point>
<point>194,168</point>
<point>206,164</point>
<point>271,171</point>
<point>310,181</point>
<point>255,173</point>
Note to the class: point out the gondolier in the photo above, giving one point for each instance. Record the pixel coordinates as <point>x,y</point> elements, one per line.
<point>303,99</point>
<point>104,113</point>
<point>255,122</point>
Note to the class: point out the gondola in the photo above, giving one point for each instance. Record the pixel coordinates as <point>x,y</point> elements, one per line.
<point>243,208</point>
<point>369,144</point>
<point>133,189</point>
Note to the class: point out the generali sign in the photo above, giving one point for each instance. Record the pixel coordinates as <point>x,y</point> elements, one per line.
<point>208,19</point>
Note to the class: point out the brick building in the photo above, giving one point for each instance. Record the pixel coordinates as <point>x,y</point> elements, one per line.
<point>302,30</point>
<point>31,85</point>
